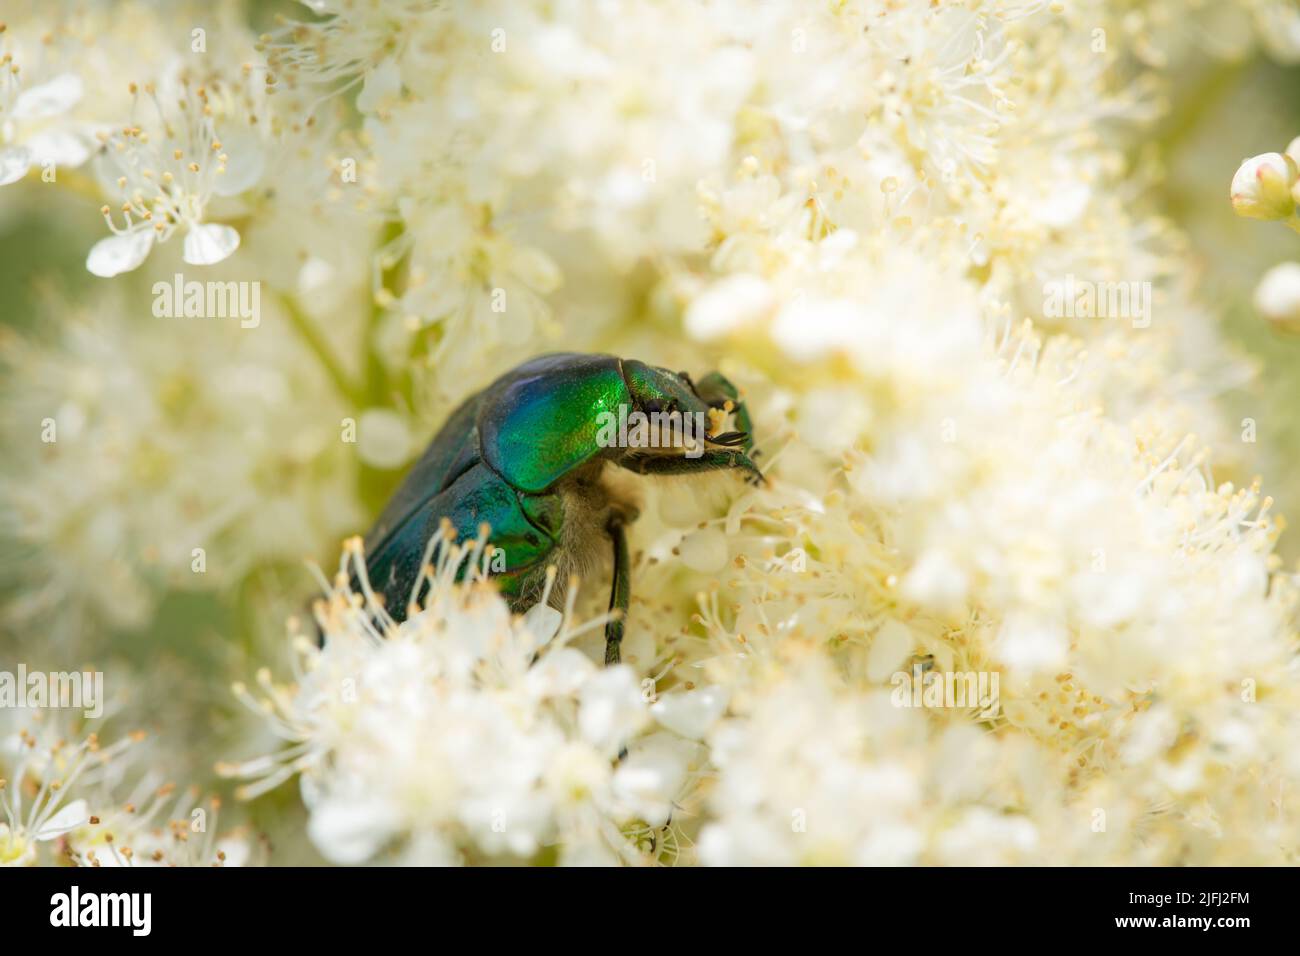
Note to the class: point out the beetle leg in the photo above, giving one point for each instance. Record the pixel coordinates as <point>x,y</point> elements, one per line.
<point>620,592</point>
<point>709,461</point>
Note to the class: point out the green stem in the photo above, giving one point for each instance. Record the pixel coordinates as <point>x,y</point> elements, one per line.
<point>377,384</point>
<point>376,485</point>
<point>315,340</point>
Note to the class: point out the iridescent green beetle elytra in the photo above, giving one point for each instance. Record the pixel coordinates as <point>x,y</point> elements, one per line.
<point>528,457</point>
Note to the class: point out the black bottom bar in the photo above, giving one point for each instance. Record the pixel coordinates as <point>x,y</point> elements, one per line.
<point>295,906</point>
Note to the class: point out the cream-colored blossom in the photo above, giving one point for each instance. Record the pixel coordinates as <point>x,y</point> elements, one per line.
<point>185,143</point>
<point>864,214</point>
<point>73,803</point>
<point>51,71</point>
<point>465,733</point>
<point>136,439</point>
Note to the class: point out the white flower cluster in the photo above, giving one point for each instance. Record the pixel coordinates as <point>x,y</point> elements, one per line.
<point>47,120</point>
<point>86,804</point>
<point>466,733</point>
<point>152,449</point>
<point>156,445</point>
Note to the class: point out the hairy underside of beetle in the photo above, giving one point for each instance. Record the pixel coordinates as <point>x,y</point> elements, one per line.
<point>595,495</point>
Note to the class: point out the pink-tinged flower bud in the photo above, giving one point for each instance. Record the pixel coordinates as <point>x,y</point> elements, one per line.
<point>1261,189</point>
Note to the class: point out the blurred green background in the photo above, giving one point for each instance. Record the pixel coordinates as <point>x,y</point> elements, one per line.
<point>1223,113</point>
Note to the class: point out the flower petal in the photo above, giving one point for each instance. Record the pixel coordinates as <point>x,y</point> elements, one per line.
<point>650,777</point>
<point>69,818</point>
<point>611,708</point>
<point>245,163</point>
<point>14,163</point>
<point>52,98</point>
<point>117,254</point>
<point>559,673</point>
<point>1278,295</point>
<point>349,831</point>
<point>209,243</point>
<point>543,621</point>
<point>61,147</point>
<point>383,438</point>
<point>691,713</point>
<point>381,83</point>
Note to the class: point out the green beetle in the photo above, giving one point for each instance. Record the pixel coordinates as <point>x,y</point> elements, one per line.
<point>528,457</point>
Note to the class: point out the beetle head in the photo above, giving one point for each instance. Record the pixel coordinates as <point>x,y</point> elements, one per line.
<point>712,403</point>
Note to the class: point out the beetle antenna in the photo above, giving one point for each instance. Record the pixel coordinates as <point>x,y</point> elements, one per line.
<point>730,439</point>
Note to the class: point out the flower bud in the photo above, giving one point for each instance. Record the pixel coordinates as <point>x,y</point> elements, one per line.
<point>1261,189</point>
<point>1277,297</point>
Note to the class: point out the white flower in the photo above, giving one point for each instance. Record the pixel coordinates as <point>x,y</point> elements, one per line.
<point>52,812</point>
<point>480,286</point>
<point>691,713</point>
<point>63,803</point>
<point>1279,29</point>
<point>59,79</point>
<point>169,166</point>
<point>610,708</point>
<point>160,825</point>
<point>730,304</point>
<point>18,844</point>
<point>810,775</point>
<point>31,131</point>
